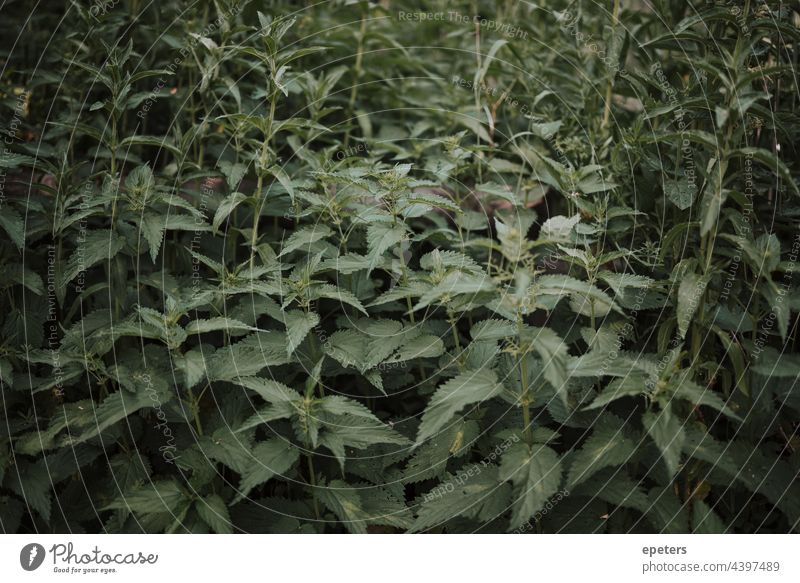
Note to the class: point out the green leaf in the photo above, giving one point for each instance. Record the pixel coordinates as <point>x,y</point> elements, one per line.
<point>96,247</point>
<point>12,224</point>
<point>456,283</point>
<point>467,388</point>
<point>423,346</point>
<point>609,445</point>
<point>691,288</point>
<point>628,386</point>
<point>152,227</point>
<point>226,207</point>
<point>680,193</point>
<point>474,492</point>
<point>270,390</point>
<point>559,228</point>
<point>493,330</point>
<point>667,513</point>
<point>345,502</point>
<point>6,373</point>
<point>298,325</point>
<point>666,430</point>
<point>229,325</point>
<point>381,237</point>
<point>347,347</point>
<point>587,299</point>
<point>552,350</point>
<point>274,457</point>
<point>214,512</point>
<point>430,459</point>
<point>33,483</point>
<point>281,175</point>
<point>346,264</point>
<point>338,405</point>
<point>615,487</point>
<point>358,432</point>
<point>711,205</point>
<point>331,292</point>
<point>536,475</point>
<point>153,498</point>
<point>772,162</point>
<point>773,364</point>
<point>114,408</point>
<point>684,388</point>
<point>248,357</point>
<point>234,172</point>
<point>305,237</point>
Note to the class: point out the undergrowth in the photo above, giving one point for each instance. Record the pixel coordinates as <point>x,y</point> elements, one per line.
<point>353,267</point>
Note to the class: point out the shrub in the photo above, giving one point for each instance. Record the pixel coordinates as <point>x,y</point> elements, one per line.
<point>340,270</point>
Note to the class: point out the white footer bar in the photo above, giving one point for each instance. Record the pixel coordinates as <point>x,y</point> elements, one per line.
<point>399,558</point>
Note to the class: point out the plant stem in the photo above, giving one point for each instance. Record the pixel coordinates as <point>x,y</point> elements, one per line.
<point>610,86</point>
<point>523,379</point>
<point>452,319</point>
<point>259,206</point>
<point>195,405</point>
<point>312,477</point>
<point>356,73</point>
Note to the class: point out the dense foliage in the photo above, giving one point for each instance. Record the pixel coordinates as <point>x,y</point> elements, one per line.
<point>372,267</point>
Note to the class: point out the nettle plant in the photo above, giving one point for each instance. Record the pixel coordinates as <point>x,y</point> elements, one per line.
<point>281,273</point>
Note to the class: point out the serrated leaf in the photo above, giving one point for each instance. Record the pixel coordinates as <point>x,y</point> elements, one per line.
<point>609,445</point>
<point>331,292</point>
<point>270,458</point>
<point>305,237</point>
<point>666,430</point>
<point>152,227</point>
<point>465,389</point>
<point>559,228</point>
<point>234,172</point>
<point>627,386</point>
<point>587,299</point>
<point>214,512</point>
<point>684,388</point>
<point>298,325</point>
<point>381,237</point>
<point>154,498</point>
<point>229,325</point>
<point>423,346</point>
<point>345,502</point>
<point>226,207</point>
<point>97,246</point>
<point>12,224</point>
<point>692,286</point>
<point>270,390</point>
<point>493,330</point>
<point>475,492</point>
<point>680,193</point>
<point>114,408</point>
<point>536,475</point>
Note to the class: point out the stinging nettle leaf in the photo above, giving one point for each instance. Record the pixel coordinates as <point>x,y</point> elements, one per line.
<point>465,389</point>
<point>536,475</point>
<point>666,430</point>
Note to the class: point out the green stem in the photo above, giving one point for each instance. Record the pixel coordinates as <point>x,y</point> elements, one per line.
<point>357,73</point>
<point>524,388</point>
<point>259,206</point>
<point>195,405</point>
<point>456,341</point>
<point>312,477</point>
<point>610,86</point>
